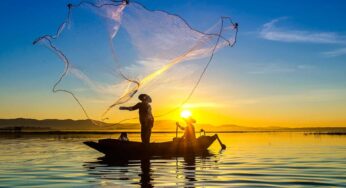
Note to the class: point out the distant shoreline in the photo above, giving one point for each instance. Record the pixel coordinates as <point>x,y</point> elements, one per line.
<point>165,132</point>
<point>54,126</point>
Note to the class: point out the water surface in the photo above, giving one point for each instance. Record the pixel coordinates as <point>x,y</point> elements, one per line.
<point>251,160</point>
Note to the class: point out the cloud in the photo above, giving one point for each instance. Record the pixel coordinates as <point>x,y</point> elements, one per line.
<point>314,95</point>
<point>305,96</point>
<point>278,68</point>
<point>270,31</point>
<point>335,53</point>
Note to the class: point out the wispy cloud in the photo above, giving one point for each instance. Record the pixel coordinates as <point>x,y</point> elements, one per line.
<point>270,31</point>
<point>335,53</point>
<point>277,68</point>
<point>305,96</point>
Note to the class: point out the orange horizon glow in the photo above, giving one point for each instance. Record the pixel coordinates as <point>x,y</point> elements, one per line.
<point>203,115</point>
<point>208,106</point>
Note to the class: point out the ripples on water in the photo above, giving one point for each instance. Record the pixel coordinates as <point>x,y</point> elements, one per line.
<point>251,160</point>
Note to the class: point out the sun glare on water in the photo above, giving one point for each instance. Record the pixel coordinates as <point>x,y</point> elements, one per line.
<point>185,113</point>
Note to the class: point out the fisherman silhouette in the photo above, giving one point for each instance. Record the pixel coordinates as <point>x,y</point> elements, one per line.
<point>189,130</point>
<point>123,137</point>
<point>146,118</point>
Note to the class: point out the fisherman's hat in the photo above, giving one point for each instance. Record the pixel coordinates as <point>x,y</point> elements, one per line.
<point>144,96</point>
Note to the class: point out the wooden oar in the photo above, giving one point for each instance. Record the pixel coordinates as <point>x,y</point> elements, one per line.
<point>223,146</point>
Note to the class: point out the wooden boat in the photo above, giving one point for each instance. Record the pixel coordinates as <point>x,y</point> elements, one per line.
<point>176,147</point>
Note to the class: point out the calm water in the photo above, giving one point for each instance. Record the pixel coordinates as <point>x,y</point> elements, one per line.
<point>251,160</point>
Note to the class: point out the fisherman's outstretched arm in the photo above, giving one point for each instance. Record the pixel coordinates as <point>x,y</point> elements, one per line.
<point>180,127</point>
<point>130,108</point>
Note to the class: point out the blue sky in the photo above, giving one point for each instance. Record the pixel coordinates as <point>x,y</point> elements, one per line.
<point>291,55</point>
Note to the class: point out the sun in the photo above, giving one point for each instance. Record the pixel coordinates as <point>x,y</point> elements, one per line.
<point>185,113</point>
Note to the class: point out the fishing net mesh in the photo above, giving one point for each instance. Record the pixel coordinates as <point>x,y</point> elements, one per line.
<point>114,51</point>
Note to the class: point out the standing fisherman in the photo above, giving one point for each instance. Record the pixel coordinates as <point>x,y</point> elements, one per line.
<point>145,116</point>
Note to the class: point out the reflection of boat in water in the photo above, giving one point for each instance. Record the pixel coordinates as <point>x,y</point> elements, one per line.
<point>145,166</point>
<point>119,171</point>
<point>151,171</point>
<point>177,147</point>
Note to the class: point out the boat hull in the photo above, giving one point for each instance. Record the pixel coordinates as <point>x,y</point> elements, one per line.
<point>177,147</point>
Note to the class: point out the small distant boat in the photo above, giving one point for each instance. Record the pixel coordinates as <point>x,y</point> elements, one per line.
<point>176,147</point>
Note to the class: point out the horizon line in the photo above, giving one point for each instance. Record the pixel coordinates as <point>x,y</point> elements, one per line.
<point>224,124</point>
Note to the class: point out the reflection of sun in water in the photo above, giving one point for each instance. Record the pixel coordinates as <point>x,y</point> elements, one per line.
<point>185,113</point>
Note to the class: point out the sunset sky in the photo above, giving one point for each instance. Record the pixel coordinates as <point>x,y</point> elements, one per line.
<point>287,69</point>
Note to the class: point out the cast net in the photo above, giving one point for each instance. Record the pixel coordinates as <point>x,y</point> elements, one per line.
<point>115,50</point>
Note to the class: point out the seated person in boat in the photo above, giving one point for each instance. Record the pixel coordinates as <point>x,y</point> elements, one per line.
<point>123,137</point>
<point>146,118</point>
<point>189,130</point>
